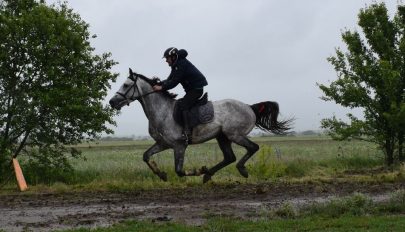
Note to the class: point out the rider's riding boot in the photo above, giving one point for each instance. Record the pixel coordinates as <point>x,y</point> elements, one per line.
<point>186,128</point>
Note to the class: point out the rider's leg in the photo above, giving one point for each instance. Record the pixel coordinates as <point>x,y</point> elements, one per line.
<point>186,104</point>
<point>186,128</point>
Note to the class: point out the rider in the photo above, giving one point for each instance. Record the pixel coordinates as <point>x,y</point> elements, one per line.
<point>185,73</point>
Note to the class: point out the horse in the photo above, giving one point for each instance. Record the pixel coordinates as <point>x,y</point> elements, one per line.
<point>232,122</point>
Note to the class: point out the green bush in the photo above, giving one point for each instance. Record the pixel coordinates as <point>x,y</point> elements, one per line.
<point>47,167</point>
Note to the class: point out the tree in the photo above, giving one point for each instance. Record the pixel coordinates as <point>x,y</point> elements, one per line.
<point>371,76</point>
<point>51,83</point>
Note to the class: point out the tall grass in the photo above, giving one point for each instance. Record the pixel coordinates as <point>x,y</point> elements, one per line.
<point>112,164</point>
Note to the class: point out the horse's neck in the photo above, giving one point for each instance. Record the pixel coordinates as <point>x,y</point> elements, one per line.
<point>156,106</point>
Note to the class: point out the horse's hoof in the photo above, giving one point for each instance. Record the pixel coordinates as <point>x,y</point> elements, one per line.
<point>163,176</point>
<point>206,178</point>
<point>242,170</point>
<point>204,170</point>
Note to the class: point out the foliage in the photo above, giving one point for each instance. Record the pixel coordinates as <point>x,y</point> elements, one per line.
<point>46,166</point>
<point>371,76</point>
<point>51,83</point>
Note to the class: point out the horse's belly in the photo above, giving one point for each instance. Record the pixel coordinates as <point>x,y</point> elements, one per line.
<point>205,132</point>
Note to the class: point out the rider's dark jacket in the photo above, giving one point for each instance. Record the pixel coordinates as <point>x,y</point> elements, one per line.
<point>185,73</point>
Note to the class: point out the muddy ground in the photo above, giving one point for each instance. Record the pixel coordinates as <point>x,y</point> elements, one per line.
<point>193,205</point>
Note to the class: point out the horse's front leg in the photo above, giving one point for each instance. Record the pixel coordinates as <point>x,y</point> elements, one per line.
<point>179,161</point>
<point>156,148</point>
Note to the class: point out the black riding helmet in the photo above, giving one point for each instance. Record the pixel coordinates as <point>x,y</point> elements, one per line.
<point>172,51</point>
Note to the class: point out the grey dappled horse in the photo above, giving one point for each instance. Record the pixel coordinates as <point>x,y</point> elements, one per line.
<point>233,120</point>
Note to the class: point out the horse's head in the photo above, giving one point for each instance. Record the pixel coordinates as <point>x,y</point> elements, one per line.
<point>135,87</point>
<point>127,93</point>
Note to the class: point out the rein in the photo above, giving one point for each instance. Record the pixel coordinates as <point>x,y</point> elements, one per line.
<point>135,86</point>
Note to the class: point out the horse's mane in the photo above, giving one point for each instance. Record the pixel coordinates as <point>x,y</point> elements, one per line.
<point>156,81</point>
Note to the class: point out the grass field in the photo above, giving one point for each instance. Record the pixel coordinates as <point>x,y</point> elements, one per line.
<point>119,165</point>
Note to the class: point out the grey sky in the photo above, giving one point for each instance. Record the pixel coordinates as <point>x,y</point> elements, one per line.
<point>251,51</point>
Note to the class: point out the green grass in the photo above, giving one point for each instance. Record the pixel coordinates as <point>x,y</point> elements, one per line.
<point>118,165</point>
<point>348,223</point>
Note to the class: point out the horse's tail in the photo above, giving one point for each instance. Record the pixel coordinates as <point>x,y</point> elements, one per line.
<point>266,118</point>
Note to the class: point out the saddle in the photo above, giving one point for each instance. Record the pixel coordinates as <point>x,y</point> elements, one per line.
<point>201,113</point>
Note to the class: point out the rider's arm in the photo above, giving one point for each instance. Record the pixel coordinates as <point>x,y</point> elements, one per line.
<point>174,79</point>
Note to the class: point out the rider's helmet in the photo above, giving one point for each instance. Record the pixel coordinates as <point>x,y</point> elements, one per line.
<point>172,51</point>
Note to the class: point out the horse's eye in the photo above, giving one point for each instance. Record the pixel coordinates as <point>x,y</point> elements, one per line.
<point>125,85</point>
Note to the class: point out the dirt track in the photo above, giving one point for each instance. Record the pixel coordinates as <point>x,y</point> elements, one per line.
<point>43,212</point>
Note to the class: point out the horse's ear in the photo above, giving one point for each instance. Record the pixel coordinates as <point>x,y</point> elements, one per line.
<point>130,72</point>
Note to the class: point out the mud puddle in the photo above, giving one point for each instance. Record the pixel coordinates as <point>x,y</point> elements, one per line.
<point>45,212</point>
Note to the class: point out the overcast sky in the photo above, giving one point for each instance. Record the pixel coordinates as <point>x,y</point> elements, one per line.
<point>252,51</point>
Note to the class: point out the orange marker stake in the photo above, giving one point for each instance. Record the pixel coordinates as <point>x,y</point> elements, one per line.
<point>19,175</point>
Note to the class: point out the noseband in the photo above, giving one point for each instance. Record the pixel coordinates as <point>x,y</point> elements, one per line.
<point>135,87</point>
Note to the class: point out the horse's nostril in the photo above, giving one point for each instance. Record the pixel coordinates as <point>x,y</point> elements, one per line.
<point>111,102</point>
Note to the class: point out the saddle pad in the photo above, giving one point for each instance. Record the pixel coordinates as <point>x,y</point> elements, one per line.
<point>206,113</point>
<point>201,114</point>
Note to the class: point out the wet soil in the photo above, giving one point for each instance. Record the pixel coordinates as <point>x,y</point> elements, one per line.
<point>191,205</point>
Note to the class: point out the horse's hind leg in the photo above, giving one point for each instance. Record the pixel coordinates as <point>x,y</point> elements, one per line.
<point>251,148</point>
<point>229,157</point>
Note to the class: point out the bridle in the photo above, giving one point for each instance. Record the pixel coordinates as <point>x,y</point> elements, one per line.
<point>135,87</point>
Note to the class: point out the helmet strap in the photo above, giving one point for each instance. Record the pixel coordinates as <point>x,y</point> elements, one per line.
<point>174,58</point>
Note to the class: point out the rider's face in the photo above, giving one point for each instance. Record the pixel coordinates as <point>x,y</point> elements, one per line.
<point>169,60</point>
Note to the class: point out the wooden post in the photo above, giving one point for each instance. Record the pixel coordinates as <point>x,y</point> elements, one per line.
<point>19,176</point>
